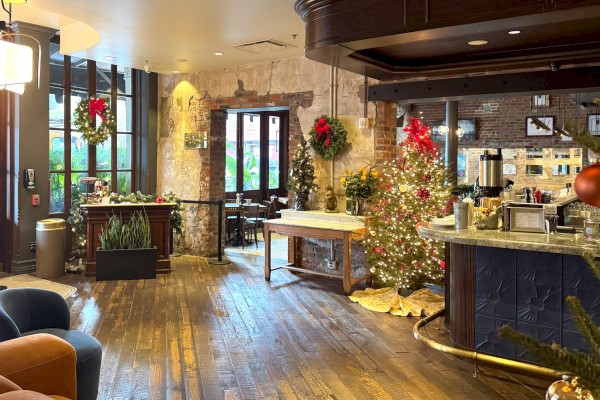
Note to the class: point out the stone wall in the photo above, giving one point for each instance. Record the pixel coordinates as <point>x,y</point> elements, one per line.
<point>196,102</point>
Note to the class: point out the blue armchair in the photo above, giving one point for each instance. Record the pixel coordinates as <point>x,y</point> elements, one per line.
<point>28,311</point>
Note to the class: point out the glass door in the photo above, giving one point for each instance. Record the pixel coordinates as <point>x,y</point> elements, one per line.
<point>256,154</point>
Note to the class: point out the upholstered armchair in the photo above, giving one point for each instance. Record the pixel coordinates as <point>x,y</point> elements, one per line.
<point>29,311</point>
<point>36,367</point>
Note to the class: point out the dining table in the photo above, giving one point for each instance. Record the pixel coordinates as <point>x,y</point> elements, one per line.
<point>236,209</point>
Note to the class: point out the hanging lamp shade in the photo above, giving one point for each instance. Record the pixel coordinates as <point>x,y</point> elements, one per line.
<point>15,1</point>
<point>16,63</point>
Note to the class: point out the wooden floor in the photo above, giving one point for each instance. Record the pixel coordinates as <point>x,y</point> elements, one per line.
<point>222,332</point>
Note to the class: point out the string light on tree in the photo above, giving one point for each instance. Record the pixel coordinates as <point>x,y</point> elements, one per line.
<point>411,191</point>
<point>302,171</point>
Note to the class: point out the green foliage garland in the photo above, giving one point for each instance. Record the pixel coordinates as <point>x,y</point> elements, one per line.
<point>85,123</point>
<point>328,136</point>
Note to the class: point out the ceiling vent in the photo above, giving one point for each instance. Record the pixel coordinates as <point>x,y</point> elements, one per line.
<point>263,46</point>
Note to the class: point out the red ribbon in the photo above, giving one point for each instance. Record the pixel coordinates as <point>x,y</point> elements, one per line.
<point>419,136</point>
<point>323,128</point>
<point>97,106</point>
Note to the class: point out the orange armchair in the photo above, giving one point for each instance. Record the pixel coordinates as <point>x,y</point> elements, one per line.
<point>36,367</point>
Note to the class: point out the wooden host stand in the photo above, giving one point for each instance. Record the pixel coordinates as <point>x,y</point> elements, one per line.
<point>96,215</point>
<point>295,228</point>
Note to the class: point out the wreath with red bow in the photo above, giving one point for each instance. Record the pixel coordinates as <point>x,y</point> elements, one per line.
<point>85,115</point>
<point>327,136</point>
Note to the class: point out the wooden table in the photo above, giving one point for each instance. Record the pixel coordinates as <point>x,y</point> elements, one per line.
<point>96,215</point>
<point>295,228</point>
<point>236,209</point>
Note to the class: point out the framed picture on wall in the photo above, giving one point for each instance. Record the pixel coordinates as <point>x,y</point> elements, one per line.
<point>593,124</point>
<point>536,126</point>
<point>469,127</point>
<point>542,100</point>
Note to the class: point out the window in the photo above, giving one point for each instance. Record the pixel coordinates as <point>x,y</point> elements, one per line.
<point>71,158</point>
<point>256,153</point>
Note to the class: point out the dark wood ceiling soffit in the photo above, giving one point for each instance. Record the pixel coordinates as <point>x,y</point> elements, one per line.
<point>576,80</point>
<point>421,39</point>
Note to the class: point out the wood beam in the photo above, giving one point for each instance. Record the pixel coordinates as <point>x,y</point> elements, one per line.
<point>575,80</point>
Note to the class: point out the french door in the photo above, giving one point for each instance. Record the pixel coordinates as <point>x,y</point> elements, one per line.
<point>256,154</point>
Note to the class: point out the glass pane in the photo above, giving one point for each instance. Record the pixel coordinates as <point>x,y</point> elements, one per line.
<point>57,192</point>
<point>57,108</point>
<point>78,188</point>
<point>103,77</point>
<point>231,154</point>
<point>274,152</point>
<point>251,151</point>
<point>124,111</point>
<point>79,152</point>
<point>124,148</point>
<point>57,151</point>
<point>79,73</point>
<point>123,182</point>
<point>124,81</point>
<point>76,97</point>
<point>57,62</point>
<point>103,155</point>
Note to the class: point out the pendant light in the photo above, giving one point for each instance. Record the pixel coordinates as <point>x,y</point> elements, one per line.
<point>16,60</point>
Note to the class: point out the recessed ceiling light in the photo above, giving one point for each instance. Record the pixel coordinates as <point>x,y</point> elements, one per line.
<point>109,58</point>
<point>181,60</point>
<point>480,42</point>
<point>514,32</point>
<point>218,53</point>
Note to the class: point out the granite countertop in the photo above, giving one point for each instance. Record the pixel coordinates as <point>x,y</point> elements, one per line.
<point>563,243</point>
<point>320,219</point>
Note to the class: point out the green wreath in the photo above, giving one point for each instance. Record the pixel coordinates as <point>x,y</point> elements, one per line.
<point>85,115</point>
<point>327,136</point>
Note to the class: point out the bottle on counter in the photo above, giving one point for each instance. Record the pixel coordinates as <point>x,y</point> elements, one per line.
<point>528,196</point>
<point>538,196</point>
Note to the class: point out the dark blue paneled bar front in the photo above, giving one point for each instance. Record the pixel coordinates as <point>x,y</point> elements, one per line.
<point>496,278</point>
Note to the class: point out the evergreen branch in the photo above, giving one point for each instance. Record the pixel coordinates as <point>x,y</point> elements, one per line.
<point>593,264</point>
<point>583,137</point>
<point>574,362</point>
<point>586,326</point>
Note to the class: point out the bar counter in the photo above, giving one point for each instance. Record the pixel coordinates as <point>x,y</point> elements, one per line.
<point>496,278</point>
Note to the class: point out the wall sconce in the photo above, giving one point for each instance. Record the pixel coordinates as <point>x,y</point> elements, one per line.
<point>16,60</point>
<point>460,132</point>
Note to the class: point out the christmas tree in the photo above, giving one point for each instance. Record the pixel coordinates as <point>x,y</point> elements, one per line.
<point>411,190</point>
<point>302,171</point>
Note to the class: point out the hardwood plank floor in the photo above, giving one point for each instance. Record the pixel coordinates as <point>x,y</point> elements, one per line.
<point>222,332</point>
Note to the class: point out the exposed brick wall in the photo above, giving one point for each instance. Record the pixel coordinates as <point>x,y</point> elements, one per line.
<point>385,132</point>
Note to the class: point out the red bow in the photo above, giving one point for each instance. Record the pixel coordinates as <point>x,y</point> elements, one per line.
<point>419,136</point>
<point>97,106</point>
<point>323,128</point>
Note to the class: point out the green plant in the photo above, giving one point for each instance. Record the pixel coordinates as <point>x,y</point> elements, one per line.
<point>360,185</point>
<point>134,234</point>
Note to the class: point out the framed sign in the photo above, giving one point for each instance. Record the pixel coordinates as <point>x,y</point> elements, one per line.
<point>593,124</point>
<point>542,100</point>
<point>536,126</point>
<point>469,127</point>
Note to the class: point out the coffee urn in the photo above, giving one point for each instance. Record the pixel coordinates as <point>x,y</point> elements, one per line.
<point>490,174</point>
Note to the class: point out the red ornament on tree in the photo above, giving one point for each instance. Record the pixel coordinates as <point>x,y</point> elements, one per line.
<point>423,194</point>
<point>587,185</point>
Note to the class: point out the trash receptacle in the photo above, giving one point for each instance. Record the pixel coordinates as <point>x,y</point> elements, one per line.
<point>50,247</point>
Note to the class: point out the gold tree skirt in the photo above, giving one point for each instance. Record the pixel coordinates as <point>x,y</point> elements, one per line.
<point>420,302</point>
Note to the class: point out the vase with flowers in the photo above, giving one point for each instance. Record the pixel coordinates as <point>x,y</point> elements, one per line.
<point>360,187</point>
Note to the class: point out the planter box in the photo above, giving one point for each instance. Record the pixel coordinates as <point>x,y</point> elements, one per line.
<point>125,264</point>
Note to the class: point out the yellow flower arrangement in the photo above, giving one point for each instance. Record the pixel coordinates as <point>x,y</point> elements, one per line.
<point>360,185</point>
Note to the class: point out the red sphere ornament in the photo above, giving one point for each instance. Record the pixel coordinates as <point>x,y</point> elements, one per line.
<point>587,185</point>
<point>159,199</point>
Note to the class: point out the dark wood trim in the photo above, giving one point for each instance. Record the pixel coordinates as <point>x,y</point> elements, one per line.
<point>477,87</point>
<point>460,293</point>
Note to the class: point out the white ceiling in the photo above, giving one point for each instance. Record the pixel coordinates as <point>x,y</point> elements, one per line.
<point>162,32</point>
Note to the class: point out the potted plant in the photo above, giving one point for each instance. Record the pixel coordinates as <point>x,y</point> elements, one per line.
<point>126,251</point>
<point>360,187</point>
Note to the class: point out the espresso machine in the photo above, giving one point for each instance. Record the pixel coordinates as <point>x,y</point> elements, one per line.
<point>490,174</point>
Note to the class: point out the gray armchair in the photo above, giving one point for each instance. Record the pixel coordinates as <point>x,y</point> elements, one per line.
<point>28,311</point>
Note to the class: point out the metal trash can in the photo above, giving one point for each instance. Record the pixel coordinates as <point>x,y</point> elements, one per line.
<point>50,247</point>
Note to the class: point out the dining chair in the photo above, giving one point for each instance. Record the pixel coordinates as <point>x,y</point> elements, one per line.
<point>270,212</point>
<point>250,222</point>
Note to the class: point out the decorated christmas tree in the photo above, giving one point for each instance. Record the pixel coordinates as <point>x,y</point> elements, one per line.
<point>411,190</point>
<point>302,171</point>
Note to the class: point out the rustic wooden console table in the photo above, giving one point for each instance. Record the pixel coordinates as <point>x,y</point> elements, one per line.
<point>295,228</point>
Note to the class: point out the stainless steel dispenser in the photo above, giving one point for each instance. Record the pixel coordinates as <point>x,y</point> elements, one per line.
<point>490,174</point>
